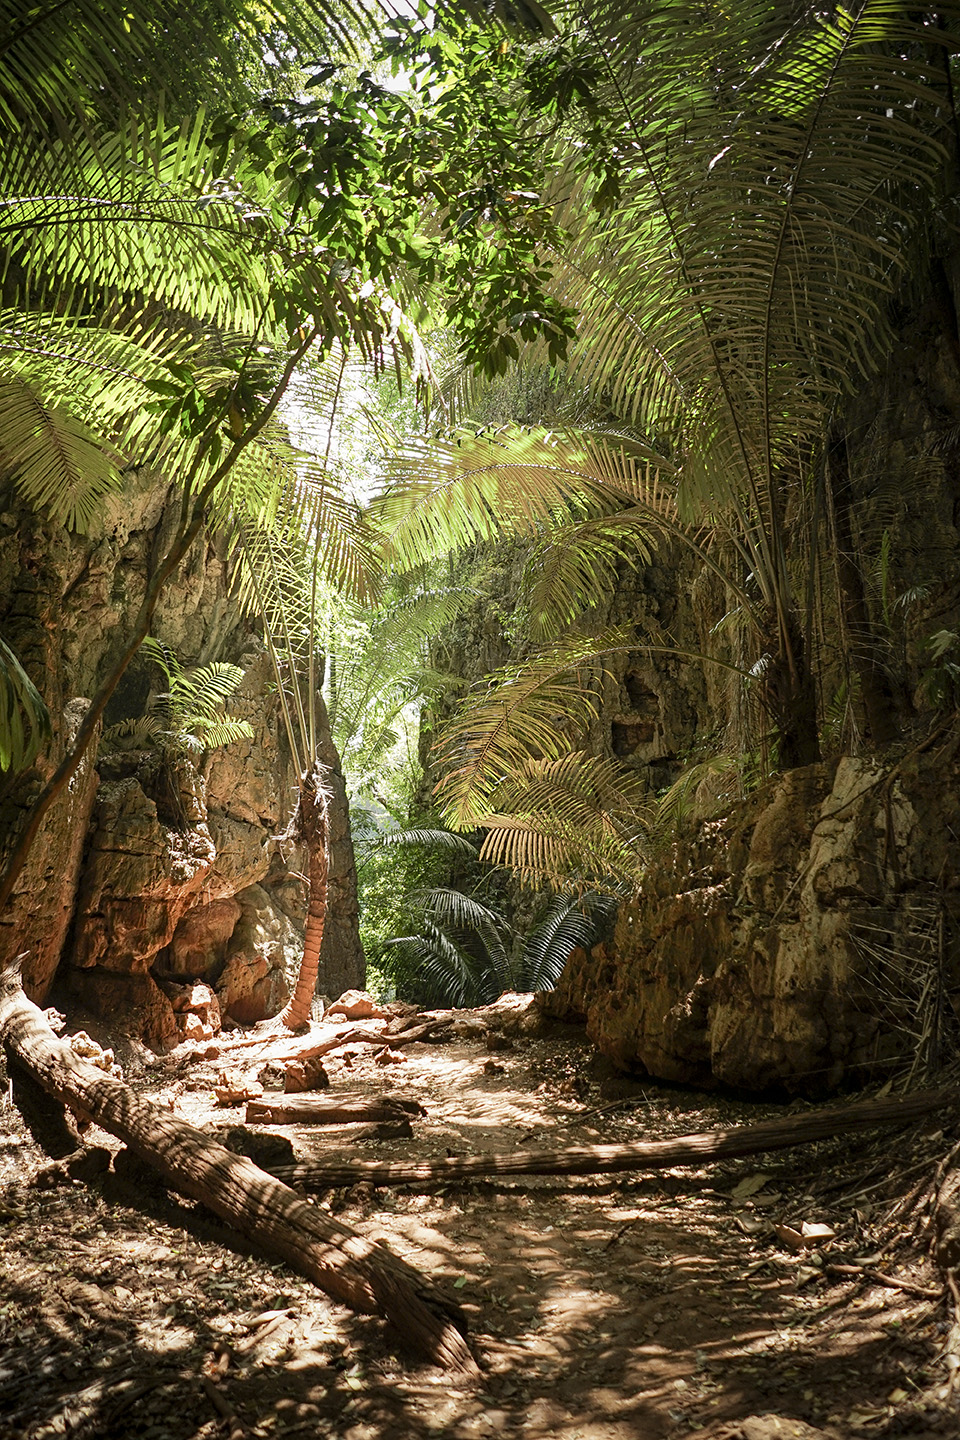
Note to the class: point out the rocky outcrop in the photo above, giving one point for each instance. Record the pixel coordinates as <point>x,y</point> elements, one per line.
<point>36,922</point>
<point>809,937</point>
<point>156,869</point>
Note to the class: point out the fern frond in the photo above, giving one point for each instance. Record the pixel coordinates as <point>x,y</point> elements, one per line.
<point>138,731</point>
<point>24,718</point>
<point>215,733</point>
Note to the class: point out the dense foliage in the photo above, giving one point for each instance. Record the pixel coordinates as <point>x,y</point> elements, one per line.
<point>696,219</point>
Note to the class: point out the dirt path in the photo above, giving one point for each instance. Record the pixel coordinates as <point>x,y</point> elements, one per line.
<point>600,1309</point>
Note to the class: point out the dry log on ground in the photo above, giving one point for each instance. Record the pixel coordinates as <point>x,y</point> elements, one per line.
<point>639,1155</point>
<point>359,1272</point>
<point>428,1030</point>
<point>330,1109</point>
<point>287,1049</point>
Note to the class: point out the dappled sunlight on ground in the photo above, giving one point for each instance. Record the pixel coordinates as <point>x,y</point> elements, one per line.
<point>600,1308</point>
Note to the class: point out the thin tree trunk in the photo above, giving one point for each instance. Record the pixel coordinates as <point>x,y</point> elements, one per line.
<point>358,1272</point>
<point>641,1155</point>
<point>342,963</point>
<point>879,702</point>
<point>311,827</point>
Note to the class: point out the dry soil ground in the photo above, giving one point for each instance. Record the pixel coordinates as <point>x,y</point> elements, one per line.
<point>601,1309</point>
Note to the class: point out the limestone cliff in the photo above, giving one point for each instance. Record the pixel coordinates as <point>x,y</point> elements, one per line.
<point>805,938</point>
<point>153,870</point>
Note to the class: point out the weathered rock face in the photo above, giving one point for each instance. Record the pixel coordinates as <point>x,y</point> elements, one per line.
<point>37,920</point>
<point>154,870</point>
<point>800,941</point>
<point>262,952</point>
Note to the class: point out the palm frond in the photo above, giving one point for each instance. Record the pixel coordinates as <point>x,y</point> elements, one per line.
<point>134,212</point>
<point>24,718</point>
<point>54,460</point>
<point>572,823</point>
<point>441,839</point>
<point>536,709</point>
<point>568,924</point>
<point>444,494</point>
<point>109,53</point>
<point>677,802</point>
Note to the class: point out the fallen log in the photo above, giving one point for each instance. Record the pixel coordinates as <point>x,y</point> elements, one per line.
<point>361,1273</point>
<point>289,1050</point>
<point>398,1038</point>
<point>638,1155</point>
<point>330,1109</point>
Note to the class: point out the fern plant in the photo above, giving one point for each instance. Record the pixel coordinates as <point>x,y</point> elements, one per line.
<point>191,714</point>
<point>467,953</point>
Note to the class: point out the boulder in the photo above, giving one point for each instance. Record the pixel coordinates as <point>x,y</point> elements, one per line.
<point>357,1005</point>
<point>199,943</point>
<point>196,1008</point>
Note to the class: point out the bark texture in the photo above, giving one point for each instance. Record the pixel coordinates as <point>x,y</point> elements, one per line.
<point>356,1271</point>
<point>311,825</point>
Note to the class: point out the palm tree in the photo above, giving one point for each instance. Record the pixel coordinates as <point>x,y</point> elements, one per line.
<point>774,174</point>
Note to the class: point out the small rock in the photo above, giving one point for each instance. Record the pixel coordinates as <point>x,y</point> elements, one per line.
<point>300,1075</point>
<point>272,1076</point>
<point>386,1130</point>
<point>357,1005</point>
<point>495,1041</point>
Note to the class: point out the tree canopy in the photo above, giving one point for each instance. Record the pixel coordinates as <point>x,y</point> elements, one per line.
<point>697,221</point>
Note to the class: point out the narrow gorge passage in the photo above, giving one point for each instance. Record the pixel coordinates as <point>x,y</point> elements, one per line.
<point>599,1309</point>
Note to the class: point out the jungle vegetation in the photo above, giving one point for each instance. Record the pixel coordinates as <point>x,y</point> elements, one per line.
<point>661,244</point>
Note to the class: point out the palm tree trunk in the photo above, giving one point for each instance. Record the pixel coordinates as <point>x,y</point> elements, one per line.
<point>789,696</point>
<point>310,827</point>
<point>876,689</point>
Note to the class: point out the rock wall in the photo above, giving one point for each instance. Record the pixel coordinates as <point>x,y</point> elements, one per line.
<point>808,938</point>
<point>808,935</point>
<point>154,870</point>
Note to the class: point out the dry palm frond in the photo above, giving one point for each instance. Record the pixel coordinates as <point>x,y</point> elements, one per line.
<point>533,710</point>
<point>578,822</point>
